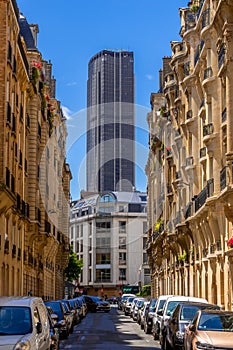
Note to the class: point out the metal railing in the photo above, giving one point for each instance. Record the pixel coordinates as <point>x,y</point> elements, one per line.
<point>202,152</point>
<point>201,198</point>
<point>208,129</point>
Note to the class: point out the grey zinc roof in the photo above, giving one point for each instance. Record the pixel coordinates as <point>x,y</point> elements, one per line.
<point>123,197</point>
<point>25,31</point>
<point>130,197</point>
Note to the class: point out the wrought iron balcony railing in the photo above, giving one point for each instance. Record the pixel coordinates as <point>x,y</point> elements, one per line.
<point>208,129</point>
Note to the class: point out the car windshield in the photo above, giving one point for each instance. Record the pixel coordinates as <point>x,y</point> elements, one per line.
<point>188,312</point>
<point>129,300</point>
<point>171,307</point>
<point>161,304</point>
<point>15,320</point>
<point>216,322</point>
<point>56,308</point>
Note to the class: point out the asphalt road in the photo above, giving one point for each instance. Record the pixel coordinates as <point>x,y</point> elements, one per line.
<point>109,331</point>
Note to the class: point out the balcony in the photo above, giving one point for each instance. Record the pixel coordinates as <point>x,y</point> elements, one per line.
<point>203,154</point>
<point>190,21</point>
<point>208,129</point>
<point>186,69</point>
<point>208,132</point>
<point>201,198</point>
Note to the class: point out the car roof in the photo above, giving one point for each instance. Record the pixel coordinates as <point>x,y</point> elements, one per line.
<point>196,303</point>
<point>186,298</point>
<point>220,312</point>
<point>19,301</point>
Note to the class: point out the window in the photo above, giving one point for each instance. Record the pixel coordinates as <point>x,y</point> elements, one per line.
<point>145,258</point>
<point>122,258</point>
<point>122,226</point>
<point>122,274</point>
<point>122,242</point>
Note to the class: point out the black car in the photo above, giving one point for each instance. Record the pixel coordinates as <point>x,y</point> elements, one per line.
<point>95,304</point>
<point>63,321</point>
<point>148,320</point>
<point>181,317</point>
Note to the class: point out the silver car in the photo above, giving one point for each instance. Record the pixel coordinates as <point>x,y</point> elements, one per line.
<point>24,324</point>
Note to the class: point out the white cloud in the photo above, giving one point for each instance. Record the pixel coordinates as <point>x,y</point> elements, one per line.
<point>67,112</point>
<point>72,83</point>
<point>149,77</point>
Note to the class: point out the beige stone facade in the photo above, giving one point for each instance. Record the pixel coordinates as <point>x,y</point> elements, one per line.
<point>190,163</point>
<point>34,178</point>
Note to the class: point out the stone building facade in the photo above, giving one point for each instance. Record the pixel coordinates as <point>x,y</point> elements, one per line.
<point>190,163</point>
<point>34,177</point>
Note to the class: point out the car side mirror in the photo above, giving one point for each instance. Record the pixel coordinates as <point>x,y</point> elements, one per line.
<point>39,327</point>
<point>54,317</point>
<point>160,313</point>
<point>192,328</point>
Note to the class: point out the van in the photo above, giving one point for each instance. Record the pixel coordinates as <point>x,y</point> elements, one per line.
<point>24,324</point>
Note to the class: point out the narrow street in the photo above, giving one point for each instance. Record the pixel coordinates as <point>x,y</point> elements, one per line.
<point>109,331</point>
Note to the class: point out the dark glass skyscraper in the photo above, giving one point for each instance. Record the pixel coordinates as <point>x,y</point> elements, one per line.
<point>110,122</point>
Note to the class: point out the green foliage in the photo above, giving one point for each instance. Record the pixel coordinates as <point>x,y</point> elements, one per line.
<point>183,256</point>
<point>74,267</point>
<point>35,75</point>
<point>146,290</point>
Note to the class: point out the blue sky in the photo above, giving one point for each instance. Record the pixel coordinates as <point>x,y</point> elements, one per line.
<point>71,32</point>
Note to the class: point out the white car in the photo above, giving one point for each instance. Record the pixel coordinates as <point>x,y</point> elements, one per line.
<point>169,307</point>
<point>24,324</point>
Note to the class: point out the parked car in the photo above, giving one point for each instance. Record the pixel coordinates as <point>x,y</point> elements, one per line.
<point>139,304</point>
<point>69,315</point>
<point>75,307</point>
<point>128,304</point>
<point>156,321</point>
<point>142,313</point>
<point>64,321</point>
<point>24,322</point>
<point>123,299</point>
<point>91,304</point>
<point>148,319</point>
<point>73,310</point>
<point>181,317</point>
<point>210,329</point>
<point>81,306</point>
<point>133,305</point>
<point>169,307</point>
<point>102,305</point>
<point>54,331</point>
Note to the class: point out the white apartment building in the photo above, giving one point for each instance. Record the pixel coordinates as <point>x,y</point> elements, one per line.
<point>108,231</point>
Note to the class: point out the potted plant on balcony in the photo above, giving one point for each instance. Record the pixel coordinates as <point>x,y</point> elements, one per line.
<point>230,242</point>
<point>182,257</point>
